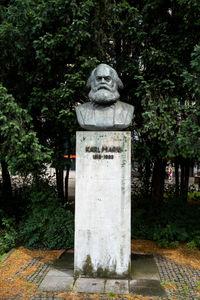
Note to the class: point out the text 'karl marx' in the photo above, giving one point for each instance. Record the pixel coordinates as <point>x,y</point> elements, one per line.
<point>102,149</point>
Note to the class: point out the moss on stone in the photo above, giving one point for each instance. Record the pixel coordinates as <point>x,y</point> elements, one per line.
<point>105,273</point>
<point>101,272</point>
<point>87,267</point>
<point>77,274</point>
<point>128,275</point>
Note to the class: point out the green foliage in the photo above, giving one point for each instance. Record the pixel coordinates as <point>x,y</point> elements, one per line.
<point>8,234</point>
<point>2,258</point>
<point>168,236</point>
<point>111,294</point>
<point>45,63</point>
<point>191,246</point>
<point>19,145</point>
<point>47,51</point>
<point>167,224</point>
<point>194,241</point>
<point>198,285</point>
<point>47,224</point>
<point>167,284</point>
<point>186,289</point>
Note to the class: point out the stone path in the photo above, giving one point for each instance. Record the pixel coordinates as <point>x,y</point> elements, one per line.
<point>145,278</point>
<point>185,280</point>
<point>179,281</point>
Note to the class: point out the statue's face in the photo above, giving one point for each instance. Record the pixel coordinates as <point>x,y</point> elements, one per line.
<point>103,79</point>
<point>103,86</point>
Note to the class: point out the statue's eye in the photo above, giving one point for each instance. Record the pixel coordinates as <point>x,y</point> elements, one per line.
<point>108,78</point>
<point>98,78</point>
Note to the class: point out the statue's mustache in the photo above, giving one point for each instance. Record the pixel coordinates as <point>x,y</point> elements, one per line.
<point>102,87</point>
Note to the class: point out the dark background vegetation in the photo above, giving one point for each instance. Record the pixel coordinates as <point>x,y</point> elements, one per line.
<point>47,51</point>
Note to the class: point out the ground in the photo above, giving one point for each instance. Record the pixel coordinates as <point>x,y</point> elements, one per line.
<point>20,273</point>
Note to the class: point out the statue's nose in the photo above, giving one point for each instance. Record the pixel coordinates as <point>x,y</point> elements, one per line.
<point>103,80</point>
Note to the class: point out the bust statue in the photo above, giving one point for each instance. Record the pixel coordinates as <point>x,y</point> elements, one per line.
<point>104,111</point>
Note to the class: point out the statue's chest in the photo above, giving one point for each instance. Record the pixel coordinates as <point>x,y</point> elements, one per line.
<point>104,116</point>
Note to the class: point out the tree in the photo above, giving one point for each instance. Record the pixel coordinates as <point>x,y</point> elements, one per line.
<point>161,44</point>
<point>20,146</point>
<point>49,48</point>
<point>42,66</point>
<point>20,150</point>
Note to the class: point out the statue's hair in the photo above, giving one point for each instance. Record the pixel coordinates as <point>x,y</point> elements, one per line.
<point>114,74</point>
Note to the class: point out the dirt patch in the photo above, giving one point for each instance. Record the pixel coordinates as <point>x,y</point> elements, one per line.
<point>180,255</point>
<point>13,270</point>
<point>77,296</point>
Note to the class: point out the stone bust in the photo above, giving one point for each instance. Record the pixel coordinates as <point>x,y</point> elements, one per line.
<point>104,111</point>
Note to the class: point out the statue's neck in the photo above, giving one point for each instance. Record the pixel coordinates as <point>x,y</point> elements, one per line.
<point>103,106</point>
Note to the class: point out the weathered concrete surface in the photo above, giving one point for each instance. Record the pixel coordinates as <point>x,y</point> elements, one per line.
<point>57,282</point>
<point>178,275</point>
<point>119,286</point>
<point>102,212</point>
<point>59,273</point>
<point>60,277</point>
<point>145,276</point>
<point>66,262</point>
<point>144,267</point>
<point>102,286</point>
<point>90,285</point>
<point>147,287</point>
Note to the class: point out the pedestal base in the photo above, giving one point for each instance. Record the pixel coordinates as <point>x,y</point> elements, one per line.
<point>102,212</point>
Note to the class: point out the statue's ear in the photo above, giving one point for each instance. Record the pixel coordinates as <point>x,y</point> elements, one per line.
<point>90,79</point>
<point>119,83</point>
<point>89,83</point>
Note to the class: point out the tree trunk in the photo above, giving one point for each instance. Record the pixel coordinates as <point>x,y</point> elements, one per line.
<point>177,176</point>
<point>59,183</point>
<point>67,184</point>
<point>185,167</point>
<point>69,150</point>
<point>182,177</point>
<point>187,172</point>
<point>6,187</point>
<point>158,180</point>
<point>147,177</point>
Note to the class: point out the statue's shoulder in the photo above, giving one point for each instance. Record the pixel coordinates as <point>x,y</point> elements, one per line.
<point>83,107</point>
<point>84,112</point>
<point>124,111</point>
<point>126,107</point>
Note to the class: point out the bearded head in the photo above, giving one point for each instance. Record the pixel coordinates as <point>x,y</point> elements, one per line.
<point>104,83</point>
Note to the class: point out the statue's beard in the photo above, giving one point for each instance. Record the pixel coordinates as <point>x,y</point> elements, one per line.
<point>103,95</point>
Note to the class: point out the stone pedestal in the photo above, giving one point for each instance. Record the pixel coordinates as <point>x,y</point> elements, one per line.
<point>102,204</point>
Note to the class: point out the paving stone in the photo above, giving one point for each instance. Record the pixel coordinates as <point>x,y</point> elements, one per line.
<point>118,286</point>
<point>66,261</point>
<point>58,277</point>
<point>90,285</point>
<point>57,272</point>
<point>56,283</point>
<point>144,267</point>
<point>147,287</point>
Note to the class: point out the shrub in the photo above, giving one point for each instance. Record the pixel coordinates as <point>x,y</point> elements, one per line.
<point>168,236</point>
<point>8,234</point>
<point>48,225</point>
<point>168,223</point>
